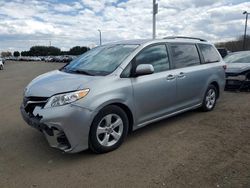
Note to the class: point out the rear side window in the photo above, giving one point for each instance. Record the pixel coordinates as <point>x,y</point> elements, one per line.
<point>209,53</point>
<point>184,55</point>
<point>156,56</point>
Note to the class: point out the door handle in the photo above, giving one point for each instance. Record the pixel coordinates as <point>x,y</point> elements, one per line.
<point>170,77</point>
<point>181,75</point>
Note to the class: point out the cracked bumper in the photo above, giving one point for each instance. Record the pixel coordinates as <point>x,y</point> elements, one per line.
<point>237,84</point>
<point>65,127</point>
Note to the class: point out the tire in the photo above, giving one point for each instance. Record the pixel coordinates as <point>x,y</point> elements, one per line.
<point>108,130</point>
<point>1,67</point>
<point>210,99</point>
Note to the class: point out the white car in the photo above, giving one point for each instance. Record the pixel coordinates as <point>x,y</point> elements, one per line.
<point>1,64</point>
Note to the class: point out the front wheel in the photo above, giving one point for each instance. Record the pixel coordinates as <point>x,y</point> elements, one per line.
<point>210,98</point>
<point>108,130</point>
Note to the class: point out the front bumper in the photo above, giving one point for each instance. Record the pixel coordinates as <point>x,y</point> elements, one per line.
<point>237,83</point>
<point>65,127</point>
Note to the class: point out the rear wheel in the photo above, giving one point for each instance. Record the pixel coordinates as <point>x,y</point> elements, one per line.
<point>210,98</point>
<point>108,129</point>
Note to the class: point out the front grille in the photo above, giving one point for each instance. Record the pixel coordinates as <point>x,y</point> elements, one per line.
<point>26,99</point>
<point>31,102</point>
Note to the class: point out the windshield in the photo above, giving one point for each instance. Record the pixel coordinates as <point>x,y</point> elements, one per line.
<point>101,60</point>
<point>238,57</point>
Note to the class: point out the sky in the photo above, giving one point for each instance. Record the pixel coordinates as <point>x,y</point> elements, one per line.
<point>68,23</point>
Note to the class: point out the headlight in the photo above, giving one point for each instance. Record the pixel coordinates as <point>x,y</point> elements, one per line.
<point>66,98</point>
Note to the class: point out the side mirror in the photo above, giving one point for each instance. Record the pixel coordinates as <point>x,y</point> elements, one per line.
<point>144,69</point>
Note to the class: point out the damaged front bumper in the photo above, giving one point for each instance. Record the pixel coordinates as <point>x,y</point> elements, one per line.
<point>237,81</point>
<point>65,127</point>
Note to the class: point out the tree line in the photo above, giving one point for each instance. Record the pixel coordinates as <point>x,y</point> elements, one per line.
<point>235,45</point>
<point>47,51</point>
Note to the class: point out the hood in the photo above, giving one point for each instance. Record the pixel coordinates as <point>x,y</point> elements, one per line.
<point>237,67</point>
<point>54,82</point>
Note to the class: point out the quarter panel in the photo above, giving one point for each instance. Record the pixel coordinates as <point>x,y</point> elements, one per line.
<point>216,73</point>
<point>191,89</point>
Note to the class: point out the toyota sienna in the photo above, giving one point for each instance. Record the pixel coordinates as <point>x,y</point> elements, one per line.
<point>94,101</point>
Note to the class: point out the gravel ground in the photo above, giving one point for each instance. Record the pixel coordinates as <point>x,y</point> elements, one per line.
<point>194,149</point>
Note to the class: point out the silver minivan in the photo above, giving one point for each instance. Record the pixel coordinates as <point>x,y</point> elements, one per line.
<point>97,99</point>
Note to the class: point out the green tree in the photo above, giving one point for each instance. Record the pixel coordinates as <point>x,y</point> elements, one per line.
<point>16,54</point>
<point>25,53</point>
<point>53,51</point>
<point>44,51</point>
<point>78,50</point>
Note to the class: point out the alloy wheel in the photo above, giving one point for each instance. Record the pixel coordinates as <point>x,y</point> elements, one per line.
<point>210,98</point>
<point>109,130</point>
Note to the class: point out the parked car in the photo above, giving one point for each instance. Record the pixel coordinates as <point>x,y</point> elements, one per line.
<point>238,71</point>
<point>1,64</point>
<point>3,60</point>
<point>48,59</point>
<point>34,58</point>
<point>223,52</point>
<point>94,101</point>
<point>63,59</point>
<point>67,59</point>
<point>12,58</point>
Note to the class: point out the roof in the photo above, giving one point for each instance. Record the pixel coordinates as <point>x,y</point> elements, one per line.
<point>167,39</point>
<point>135,41</point>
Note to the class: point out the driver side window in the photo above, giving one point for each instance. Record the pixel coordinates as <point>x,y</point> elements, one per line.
<point>155,55</point>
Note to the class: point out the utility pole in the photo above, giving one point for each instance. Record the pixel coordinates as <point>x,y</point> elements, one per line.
<point>245,33</point>
<point>100,32</point>
<point>155,11</point>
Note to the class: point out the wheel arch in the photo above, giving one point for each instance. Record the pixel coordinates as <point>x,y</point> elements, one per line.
<point>216,85</point>
<point>128,112</point>
<point>121,105</point>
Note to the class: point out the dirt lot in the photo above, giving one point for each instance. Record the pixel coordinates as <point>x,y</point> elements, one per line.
<point>194,149</point>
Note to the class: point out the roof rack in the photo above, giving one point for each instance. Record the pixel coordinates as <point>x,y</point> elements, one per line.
<point>180,37</point>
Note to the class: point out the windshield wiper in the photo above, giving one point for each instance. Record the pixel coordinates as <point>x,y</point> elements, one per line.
<point>81,72</point>
<point>65,69</point>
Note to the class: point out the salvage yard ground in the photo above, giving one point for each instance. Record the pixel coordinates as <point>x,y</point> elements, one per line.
<point>194,149</point>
